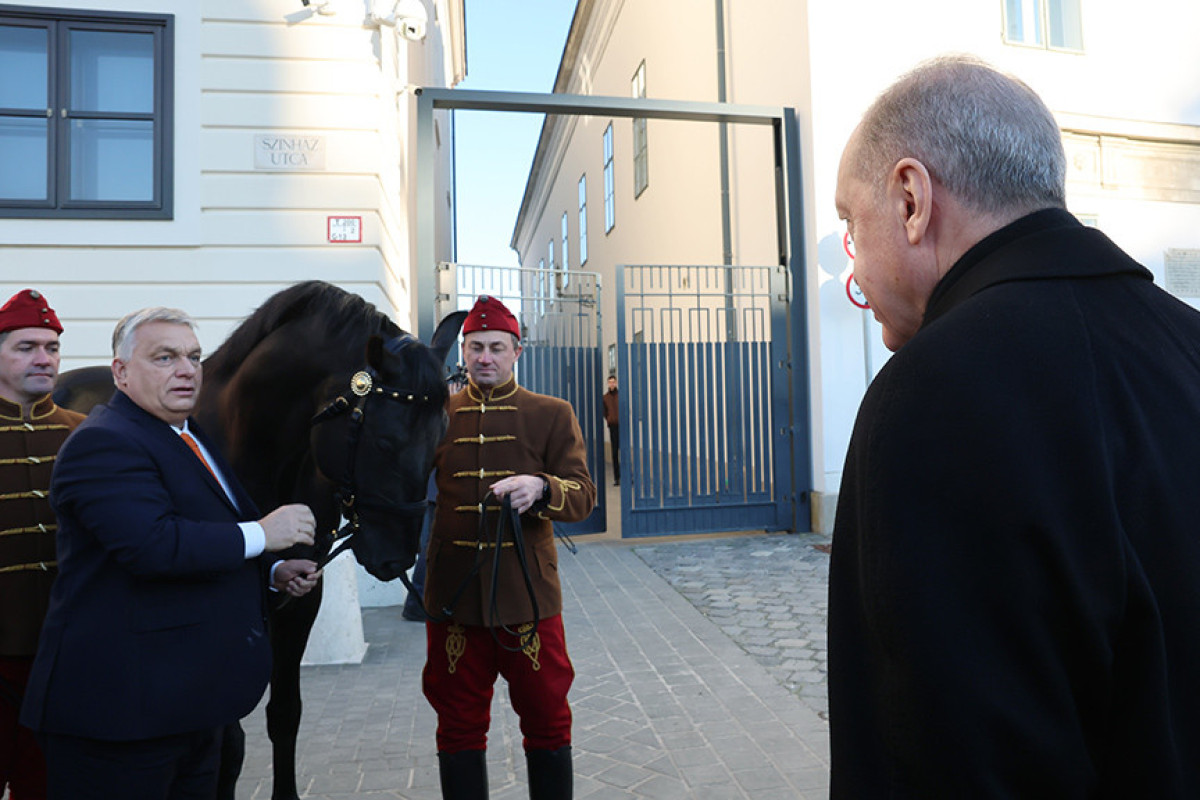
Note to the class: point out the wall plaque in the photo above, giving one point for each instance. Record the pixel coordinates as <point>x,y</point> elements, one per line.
<point>279,151</point>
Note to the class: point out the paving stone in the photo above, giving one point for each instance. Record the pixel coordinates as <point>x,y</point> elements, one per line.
<point>682,690</point>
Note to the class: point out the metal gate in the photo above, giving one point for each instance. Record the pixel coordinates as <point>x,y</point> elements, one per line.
<point>703,399</point>
<point>559,314</point>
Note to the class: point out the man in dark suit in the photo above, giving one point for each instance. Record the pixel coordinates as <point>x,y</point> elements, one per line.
<point>1013,591</point>
<point>156,634</point>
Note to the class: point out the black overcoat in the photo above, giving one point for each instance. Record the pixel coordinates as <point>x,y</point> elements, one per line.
<point>1015,580</point>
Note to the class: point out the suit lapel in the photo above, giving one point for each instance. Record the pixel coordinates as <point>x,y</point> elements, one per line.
<point>169,444</point>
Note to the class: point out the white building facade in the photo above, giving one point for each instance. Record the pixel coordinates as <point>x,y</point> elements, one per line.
<point>664,192</point>
<point>205,154</point>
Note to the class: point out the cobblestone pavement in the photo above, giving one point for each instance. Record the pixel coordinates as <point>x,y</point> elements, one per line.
<point>679,691</point>
<point>767,593</point>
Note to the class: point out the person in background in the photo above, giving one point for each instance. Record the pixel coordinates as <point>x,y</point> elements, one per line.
<point>32,428</point>
<point>1013,594</point>
<point>613,420</point>
<point>155,638</point>
<point>500,613</point>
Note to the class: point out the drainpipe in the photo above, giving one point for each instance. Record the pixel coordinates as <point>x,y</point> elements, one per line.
<point>723,158</point>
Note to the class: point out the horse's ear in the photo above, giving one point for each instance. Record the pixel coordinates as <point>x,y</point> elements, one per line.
<point>446,334</point>
<point>375,351</point>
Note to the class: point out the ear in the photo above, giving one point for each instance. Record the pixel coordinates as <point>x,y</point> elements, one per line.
<point>375,351</point>
<point>118,372</point>
<point>910,195</point>
<point>446,333</point>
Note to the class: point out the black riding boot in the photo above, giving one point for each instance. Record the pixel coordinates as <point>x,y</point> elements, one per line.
<point>550,775</point>
<point>464,775</point>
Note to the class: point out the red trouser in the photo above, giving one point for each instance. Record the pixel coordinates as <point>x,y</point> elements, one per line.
<point>460,670</point>
<point>22,766</point>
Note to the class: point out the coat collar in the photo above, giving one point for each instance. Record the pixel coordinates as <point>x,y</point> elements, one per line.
<point>501,392</point>
<point>1045,245</point>
<point>40,409</point>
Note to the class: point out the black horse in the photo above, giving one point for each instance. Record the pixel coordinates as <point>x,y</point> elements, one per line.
<point>318,398</point>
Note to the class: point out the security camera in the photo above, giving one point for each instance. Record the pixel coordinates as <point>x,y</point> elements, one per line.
<point>411,19</point>
<point>411,29</point>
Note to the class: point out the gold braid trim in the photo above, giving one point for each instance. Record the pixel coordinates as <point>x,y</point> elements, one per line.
<point>479,545</point>
<point>40,566</point>
<point>456,645</point>
<point>530,645</point>
<point>39,528</point>
<point>483,409</point>
<point>476,509</point>
<point>25,426</point>
<point>565,485</point>
<point>481,439</point>
<point>485,473</point>
<point>28,460</point>
<point>36,493</point>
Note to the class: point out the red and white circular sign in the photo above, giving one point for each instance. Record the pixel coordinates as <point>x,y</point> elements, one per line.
<point>855,293</point>
<point>848,244</point>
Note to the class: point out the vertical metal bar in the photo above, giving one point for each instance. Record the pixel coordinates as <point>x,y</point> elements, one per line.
<point>426,294</point>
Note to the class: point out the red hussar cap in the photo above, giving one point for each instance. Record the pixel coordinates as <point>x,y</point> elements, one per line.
<point>489,314</point>
<point>28,309</point>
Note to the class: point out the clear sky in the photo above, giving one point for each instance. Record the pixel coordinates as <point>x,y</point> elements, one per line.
<point>512,47</point>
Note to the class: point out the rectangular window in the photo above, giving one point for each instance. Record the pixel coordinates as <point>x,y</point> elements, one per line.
<point>641,167</point>
<point>582,219</point>
<point>540,287</point>
<point>565,265</point>
<point>1054,24</point>
<point>610,211</point>
<point>87,131</point>
<point>562,276</point>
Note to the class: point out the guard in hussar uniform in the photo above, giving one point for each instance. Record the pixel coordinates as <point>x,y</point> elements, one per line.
<point>494,612</point>
<point>32,428</point>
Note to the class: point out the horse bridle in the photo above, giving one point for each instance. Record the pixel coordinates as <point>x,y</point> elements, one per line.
<point>363,387</point>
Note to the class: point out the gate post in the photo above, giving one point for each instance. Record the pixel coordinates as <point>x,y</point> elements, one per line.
<point>791,215</point>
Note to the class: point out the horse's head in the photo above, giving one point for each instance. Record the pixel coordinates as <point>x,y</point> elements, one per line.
<point>379,448</point>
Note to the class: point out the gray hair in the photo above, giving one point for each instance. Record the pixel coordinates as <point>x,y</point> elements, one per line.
<point>985,136</point>
<point>123,334</point>
<point>4,336</point>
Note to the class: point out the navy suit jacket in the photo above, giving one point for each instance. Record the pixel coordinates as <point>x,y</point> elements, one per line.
<point>157,621</point>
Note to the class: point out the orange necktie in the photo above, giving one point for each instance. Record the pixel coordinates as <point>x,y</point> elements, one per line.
<point>187,437</point>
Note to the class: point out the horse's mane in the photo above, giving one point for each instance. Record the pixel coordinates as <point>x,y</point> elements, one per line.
<point>344,317</point>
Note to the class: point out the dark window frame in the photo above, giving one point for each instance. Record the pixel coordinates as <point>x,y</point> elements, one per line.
<point>59,23</point>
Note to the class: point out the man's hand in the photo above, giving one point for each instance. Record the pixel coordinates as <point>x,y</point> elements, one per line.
<point>288,525</point>
<point>522,490</point>
<point>296,576</point>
